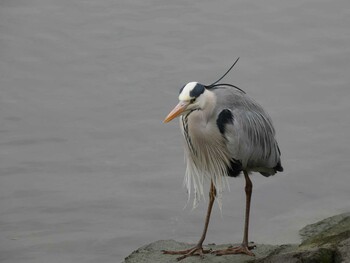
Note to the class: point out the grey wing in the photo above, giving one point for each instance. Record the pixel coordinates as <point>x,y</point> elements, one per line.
<point>251,140</point>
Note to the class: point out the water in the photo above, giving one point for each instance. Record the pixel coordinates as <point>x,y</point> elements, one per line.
<point>88,170</point>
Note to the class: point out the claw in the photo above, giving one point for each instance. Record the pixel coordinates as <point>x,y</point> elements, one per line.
<point>235,250</point>
<point>195,251</point>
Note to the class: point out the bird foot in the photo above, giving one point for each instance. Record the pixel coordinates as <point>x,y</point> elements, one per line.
<point>242,249</point>
<point>195,251</point>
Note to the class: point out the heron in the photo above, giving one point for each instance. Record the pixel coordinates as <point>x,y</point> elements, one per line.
<point>226,133</point>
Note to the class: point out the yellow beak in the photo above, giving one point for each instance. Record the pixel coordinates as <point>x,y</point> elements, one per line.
<point>179,108</point>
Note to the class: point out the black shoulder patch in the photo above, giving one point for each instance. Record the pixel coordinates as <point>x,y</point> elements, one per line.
<point>197,90</point>
<point>224,117</point>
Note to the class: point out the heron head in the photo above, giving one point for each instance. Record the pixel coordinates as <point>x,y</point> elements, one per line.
<point>190,98</point>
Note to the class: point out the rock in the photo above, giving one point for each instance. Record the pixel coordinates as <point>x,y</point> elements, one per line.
<point>344,250</point>
<point>335,224</point>
<point>332,234</point>
<point>153,253</point>
<point>325,241</point>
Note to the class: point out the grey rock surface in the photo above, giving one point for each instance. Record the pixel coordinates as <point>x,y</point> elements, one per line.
<point>153,253</point>
<point>324,225</point>
<point>325,241</point>
<point>344,250</point>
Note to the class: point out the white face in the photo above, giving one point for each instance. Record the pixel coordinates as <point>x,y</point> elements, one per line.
<point>193,96</point>
<point>185,93</point>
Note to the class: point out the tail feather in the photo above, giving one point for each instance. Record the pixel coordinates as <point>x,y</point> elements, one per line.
<point>278,167</point>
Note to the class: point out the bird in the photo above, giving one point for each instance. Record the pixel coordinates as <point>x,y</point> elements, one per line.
<point>226,133</point>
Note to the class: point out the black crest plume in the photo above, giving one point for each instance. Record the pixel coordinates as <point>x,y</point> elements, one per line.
<point>214,84</point>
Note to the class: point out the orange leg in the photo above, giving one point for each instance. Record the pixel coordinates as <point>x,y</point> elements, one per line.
<point>244,248</point>
<point>198,250</point>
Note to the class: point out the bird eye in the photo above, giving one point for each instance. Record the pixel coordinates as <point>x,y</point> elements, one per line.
<point>193,100</point>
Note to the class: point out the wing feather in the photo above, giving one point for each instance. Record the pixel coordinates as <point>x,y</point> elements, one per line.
<point>251,135</point>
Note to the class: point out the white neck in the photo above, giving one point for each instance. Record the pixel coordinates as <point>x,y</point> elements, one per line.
<point>207,104</point>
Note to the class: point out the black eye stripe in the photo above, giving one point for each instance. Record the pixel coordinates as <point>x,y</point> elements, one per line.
<point>197,90</point>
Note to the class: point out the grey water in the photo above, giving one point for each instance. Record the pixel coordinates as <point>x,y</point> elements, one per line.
<point>88,171</point>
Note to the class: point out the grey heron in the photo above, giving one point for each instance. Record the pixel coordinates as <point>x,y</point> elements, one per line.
<point>225,132</point>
